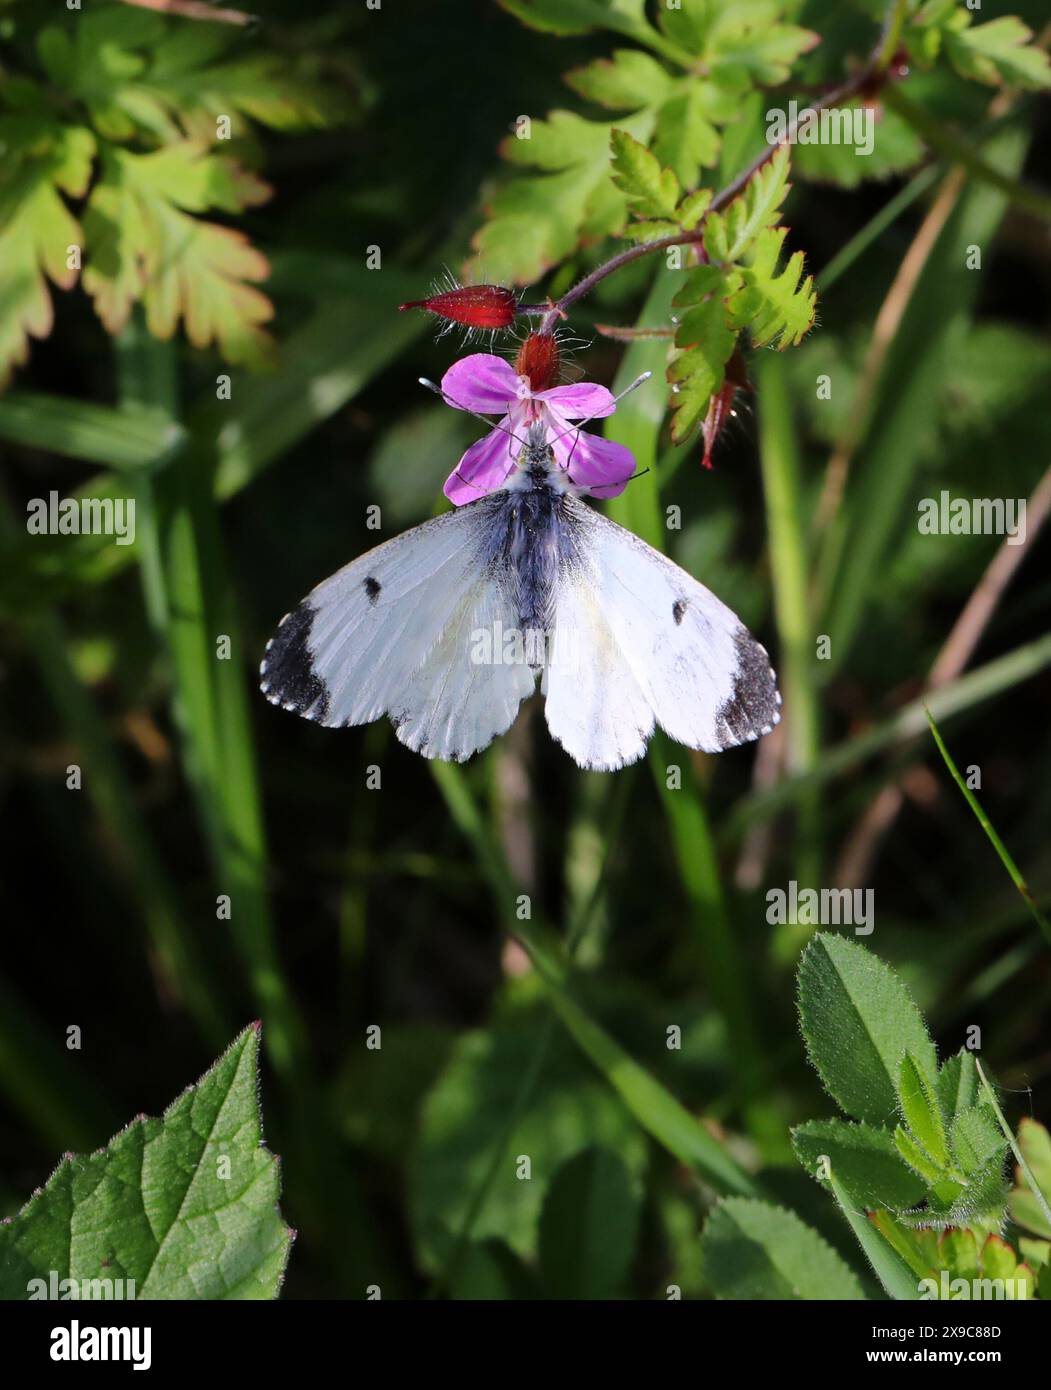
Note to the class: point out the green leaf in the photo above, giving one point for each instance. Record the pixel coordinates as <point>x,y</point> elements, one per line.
<point>918,1159</point>
<point>997,52</point>
<point>686,138</point>
<point>185,1205</point>
<point>753,1250</point>
<point>998,1260</point>
<point>864,1159</point>
<point>858,1020</point>
<point>896,149</point>
<point>38,162</point>
<point>975,1138</point>
<point>746,40</point>
<point>958,1083</point>
<point>777,310</point>
<point>472,1119</point>
<point>491,1271</point>
<point>697,372</point>
<point>959,1254</point>
<point>626,81</point>
<point>1035,1144</point>
<point>588,1227</point>
<point>129,438</point>
<point>537,220</point>
<point>917,1097</point>
<point>651,190</point>
<point>139,76</point>
<point>567,17</point>
<point>144,245</point>
<point>730,234</point>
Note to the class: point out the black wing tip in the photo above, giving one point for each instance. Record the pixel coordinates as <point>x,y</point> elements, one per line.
<point>754,707</point>
<point>287,676</point>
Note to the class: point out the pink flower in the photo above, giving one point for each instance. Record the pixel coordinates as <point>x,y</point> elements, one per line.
<point>491,386</point>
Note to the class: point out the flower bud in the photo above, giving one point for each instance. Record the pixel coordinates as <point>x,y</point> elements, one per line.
<point>538,361</point>
<point>476,306</point>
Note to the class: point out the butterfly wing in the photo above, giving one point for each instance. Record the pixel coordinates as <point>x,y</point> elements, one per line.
<point>662,648</point>
<point>391,633</point>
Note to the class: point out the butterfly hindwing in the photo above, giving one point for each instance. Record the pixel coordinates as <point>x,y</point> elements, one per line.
<point>668,648</point>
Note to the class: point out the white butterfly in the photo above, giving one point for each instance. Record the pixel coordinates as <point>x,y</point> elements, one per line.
<point>446,629</point>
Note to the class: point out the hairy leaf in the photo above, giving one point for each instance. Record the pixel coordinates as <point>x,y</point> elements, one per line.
<point>184,1205</point>
<point>754,1250</point>
<point>858,1020</point>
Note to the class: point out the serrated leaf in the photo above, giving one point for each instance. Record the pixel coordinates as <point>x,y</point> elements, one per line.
<point>648,231</point>
<point>858,1020</point>
<point>777,309</point>
<point>39,161</point>
<point>588,1226</point>
<point>627,80</point>
<point>138,75</point>
<point>958,1083</point>
<point>651,190</point>
<point>997,52</point>
<point>754,1250</point>
<point>864,1159</point>
<point>537,220</point>
<point>920,1109</point>
<point>155,1207</point>
<point>693,207</point>
<point>730,234</point>
<point>751,36</point>
<point>145,246</point>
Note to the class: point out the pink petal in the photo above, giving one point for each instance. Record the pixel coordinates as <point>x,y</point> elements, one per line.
<point>483,468</point>
<point>481,382</point>
<point>584,401</point>
<point>599,464</point>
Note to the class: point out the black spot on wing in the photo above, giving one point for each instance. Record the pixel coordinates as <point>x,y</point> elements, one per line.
<point>373,588</point>
<point>678,610</point>
<point>754,707</point>
<point>288,677</point>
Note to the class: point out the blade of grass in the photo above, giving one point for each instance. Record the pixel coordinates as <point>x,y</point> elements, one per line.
<point>987,825</point>
<point>789,564</point>
<point>122,439</point>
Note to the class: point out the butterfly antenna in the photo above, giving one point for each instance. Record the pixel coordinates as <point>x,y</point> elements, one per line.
<point>433,386</point>
<point>581,423</point>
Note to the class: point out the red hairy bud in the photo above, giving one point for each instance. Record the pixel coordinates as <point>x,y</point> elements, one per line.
<point>476,306</point>
<point>538,361</point>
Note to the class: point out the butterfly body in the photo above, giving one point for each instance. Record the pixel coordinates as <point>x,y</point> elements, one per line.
<point>448,627</point>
